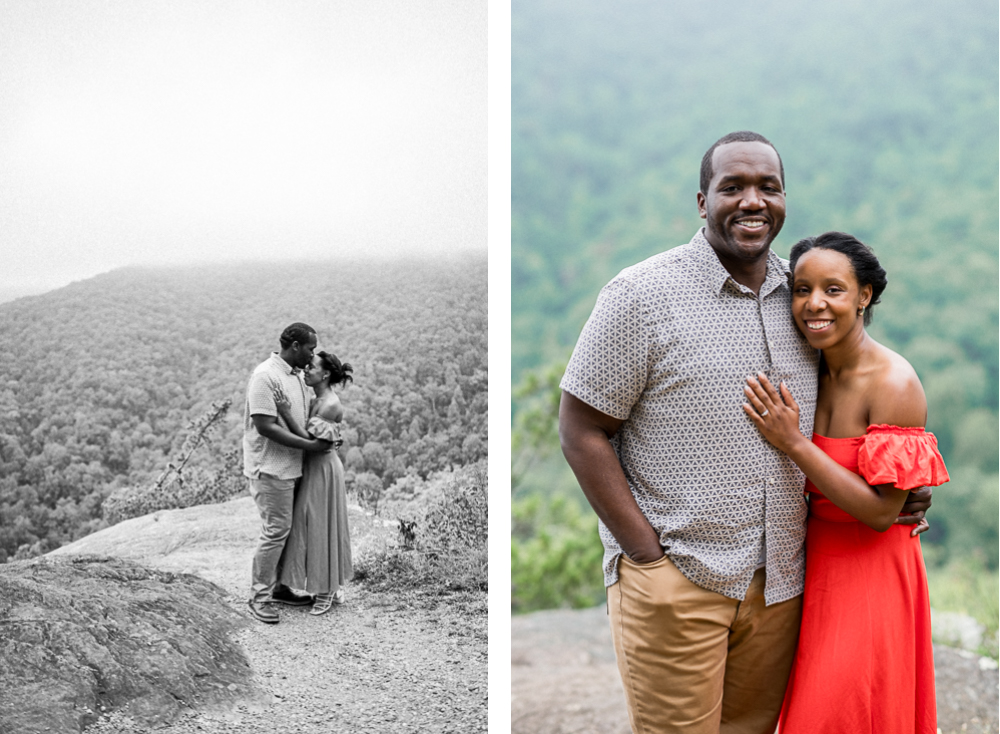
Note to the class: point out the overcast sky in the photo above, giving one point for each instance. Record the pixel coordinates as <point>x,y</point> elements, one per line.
<point>183,130</point>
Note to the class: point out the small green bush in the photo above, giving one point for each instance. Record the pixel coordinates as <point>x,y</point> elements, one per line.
<point>555,555</point>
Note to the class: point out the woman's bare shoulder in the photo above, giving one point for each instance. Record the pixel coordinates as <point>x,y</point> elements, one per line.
<point>897,397</point>
<point>330,409</point>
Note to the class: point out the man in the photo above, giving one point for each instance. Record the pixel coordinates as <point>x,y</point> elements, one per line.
<point>272,461</point>
<point>702,520</point>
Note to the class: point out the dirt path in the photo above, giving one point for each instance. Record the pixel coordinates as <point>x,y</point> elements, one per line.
<point>410,661</point>
<point>564,679</point>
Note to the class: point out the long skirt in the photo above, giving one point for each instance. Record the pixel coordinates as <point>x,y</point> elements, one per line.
<point>317,555</point>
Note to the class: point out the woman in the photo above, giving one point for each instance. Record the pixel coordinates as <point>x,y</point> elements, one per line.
<point>317,554</point>
<point>864,661</point>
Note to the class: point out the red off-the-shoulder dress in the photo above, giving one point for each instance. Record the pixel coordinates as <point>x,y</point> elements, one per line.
<point>864,662</point>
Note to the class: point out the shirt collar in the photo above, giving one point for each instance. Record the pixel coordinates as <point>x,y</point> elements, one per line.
<point>285,367</point>
<point>716,276</point>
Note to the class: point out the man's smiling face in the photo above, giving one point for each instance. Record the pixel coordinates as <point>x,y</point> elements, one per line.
<point>744,207</point>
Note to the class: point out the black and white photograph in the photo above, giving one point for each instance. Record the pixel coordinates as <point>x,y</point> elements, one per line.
<point>244,382</point>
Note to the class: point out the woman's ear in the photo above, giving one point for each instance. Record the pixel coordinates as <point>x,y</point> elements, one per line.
<point>866,295</point>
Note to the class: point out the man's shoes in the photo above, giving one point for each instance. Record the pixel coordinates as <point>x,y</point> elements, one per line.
<point>284,595</point>
<point>263,611</point>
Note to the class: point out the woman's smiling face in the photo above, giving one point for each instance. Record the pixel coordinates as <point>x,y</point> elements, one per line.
<point>315,372</point>
<point>826,297</point>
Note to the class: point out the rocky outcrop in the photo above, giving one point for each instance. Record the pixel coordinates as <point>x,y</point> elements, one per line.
<point>83,635</point>
<point>564,679</point>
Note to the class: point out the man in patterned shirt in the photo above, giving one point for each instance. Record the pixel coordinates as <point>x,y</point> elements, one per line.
<point>272,461</point>
<point>702,520</point>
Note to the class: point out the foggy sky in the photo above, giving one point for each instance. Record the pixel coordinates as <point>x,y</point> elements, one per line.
<point>184,131</point>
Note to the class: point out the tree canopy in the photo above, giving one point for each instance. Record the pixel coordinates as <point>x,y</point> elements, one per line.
<point>100,379</point>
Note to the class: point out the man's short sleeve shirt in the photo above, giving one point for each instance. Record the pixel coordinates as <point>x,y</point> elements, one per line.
<point>262,455</point>
<point>667,350</point>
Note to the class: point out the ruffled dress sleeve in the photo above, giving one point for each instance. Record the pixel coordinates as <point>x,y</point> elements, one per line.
<point>906,458</point>
<point>323,429</point>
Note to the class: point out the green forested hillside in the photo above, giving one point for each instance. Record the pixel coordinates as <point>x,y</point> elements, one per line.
<point>99,380</point>
<point>885,114</point>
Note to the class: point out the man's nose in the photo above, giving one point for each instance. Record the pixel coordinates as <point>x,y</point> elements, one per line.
<point>752,198</point>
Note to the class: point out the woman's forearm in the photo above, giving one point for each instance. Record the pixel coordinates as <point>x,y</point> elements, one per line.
<point>877,507</point>
<point>294,427</point>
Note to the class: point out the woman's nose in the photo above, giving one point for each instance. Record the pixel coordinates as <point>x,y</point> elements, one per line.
<point>816,302</point>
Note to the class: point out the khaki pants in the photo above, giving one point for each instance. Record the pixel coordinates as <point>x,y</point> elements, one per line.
<point>274,498</point>
<point>697,662</point>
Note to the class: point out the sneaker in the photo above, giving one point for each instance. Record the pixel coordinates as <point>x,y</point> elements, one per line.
<point>284,595</point>
<point>263,611</point>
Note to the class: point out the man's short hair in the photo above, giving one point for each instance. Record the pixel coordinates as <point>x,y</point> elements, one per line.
<point>741,136</point>
<point>297,332</point>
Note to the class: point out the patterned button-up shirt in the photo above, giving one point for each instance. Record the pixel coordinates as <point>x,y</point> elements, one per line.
<point>262,455</point>
<point>667,350</point>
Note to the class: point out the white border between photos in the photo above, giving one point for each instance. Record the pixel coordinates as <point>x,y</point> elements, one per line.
<point>499,363</point>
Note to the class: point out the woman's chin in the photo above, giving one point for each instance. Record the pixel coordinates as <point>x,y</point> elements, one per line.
<point>818,339</point>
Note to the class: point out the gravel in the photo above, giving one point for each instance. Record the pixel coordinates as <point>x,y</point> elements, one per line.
<point>409,660</point>
<point>379,663</point>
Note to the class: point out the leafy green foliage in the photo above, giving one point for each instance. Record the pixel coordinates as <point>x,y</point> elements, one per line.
<point>966,586</point>
<point>99,379</point>
<point>536,431</point>
<point>555,555</point>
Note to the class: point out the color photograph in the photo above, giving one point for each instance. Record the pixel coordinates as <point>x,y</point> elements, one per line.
<point>754,367</point>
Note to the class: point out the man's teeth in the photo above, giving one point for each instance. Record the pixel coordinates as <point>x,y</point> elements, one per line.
<point>752,223</point>
<point>817,325</point>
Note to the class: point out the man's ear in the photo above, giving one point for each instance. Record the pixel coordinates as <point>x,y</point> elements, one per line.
<point>702,210</point>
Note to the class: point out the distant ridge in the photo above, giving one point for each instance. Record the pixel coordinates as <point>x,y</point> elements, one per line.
<point>100,378</point>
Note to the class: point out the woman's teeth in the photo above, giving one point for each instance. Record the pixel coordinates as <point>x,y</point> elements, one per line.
<point>817,325</point>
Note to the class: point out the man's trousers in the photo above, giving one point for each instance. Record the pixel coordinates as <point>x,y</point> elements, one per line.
<point>695,661</point>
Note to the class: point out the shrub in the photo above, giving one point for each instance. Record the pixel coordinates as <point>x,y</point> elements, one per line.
<point>445,546</point>
<point>555,555</point>
<point>368,489</point>
<point>178,487</point>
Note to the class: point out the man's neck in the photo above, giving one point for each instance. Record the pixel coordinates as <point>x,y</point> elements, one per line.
<point>752,274</point>
<point>286,356</point>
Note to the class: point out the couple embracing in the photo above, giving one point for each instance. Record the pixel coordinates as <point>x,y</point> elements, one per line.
<point>749,449</point>
<point>296,478</point>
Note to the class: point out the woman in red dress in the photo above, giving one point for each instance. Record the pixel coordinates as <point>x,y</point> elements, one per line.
<point>864,661</point>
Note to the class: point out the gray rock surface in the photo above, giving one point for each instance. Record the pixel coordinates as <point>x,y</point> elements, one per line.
<point>406,660</point>
<point>81,635</point>
<point>564,679</point>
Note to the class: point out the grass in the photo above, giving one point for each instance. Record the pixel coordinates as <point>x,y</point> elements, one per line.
<point>967,586</point>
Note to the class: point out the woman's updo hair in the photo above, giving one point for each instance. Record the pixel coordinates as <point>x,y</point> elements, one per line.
<point>867,269</point>
<point>339,371</point>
